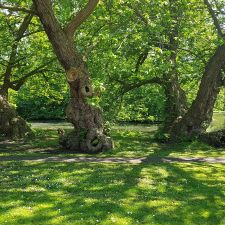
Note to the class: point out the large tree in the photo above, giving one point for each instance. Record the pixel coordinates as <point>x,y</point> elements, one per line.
<point>199,115</point>
<point>11,124</point>
<point>88,134</point>
<point>19,62</point>
<point>174,37</point>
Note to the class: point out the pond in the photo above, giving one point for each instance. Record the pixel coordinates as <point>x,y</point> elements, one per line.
<point>217,123</point>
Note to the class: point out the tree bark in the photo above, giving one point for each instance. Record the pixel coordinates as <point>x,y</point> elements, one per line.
<point>175,105</point>
<point>176,102</point>
<point>198,117</point>
<point>11,124</point>
<point>4,91</point>
<point>88,134</point>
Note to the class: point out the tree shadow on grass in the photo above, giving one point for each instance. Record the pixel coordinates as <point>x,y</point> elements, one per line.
<point>128,143</point>
<point>62,193</point>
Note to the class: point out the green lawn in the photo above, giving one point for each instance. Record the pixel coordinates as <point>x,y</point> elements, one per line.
<point>218,122</point>
<point>100,193</point>
<point>130,141</point>
<point>68,193</point>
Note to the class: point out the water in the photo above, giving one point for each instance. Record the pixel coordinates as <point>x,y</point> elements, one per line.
<point>217,123</point>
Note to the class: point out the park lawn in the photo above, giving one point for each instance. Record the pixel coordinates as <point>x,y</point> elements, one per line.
<point>81,193</point>
<point>130,141</point>
<point>111,193</point>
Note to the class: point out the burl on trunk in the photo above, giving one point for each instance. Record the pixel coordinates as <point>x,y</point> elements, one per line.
<point>12,125</point>
<point>88,134</point>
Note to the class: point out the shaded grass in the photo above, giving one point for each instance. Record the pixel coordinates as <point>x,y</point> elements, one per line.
<point>84,193</point>
<point>129,142</point>
<point>64,193</point>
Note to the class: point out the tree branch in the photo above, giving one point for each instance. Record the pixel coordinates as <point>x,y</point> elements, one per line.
<point>154,80</point>
<point>141,59</point>
<point>22,29</point>
<point>15,85</point>
<point>80,17</point>
<point>215,20</point>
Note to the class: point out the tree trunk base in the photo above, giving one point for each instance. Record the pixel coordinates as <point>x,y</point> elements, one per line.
<point>216,138</point>
<point>11,124</point>
<point>86,142</point>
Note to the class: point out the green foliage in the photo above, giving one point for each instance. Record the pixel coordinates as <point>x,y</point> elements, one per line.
<point>112,40</point>
<point>41,99</point>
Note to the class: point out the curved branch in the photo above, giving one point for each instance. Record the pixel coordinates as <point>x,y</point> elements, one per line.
<point>80,17</point>
<point>15,85</point>
<point>154,80</point>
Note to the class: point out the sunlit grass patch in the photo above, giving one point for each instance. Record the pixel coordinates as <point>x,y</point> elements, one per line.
<point>67,193</point>
<point>128,143</point>
<point>218,122</point>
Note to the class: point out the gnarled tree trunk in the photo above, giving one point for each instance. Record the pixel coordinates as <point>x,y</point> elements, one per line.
<point>88,134</point>
<point>11,124</point>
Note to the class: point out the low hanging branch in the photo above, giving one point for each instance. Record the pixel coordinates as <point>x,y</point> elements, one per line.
<point>15,85</point>
<point>80,17</point>
<point>154,80</point>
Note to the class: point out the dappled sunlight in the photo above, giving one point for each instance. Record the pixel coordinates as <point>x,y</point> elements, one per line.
<point>148,192</point>
<point>99,193</point>
<point>128,143</point>
<point>192,149</point>
<point>218,122</point>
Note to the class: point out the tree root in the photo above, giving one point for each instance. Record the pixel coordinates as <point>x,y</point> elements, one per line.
<point>93,142</point>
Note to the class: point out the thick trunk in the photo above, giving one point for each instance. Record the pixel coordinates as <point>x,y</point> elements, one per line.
<point>198,117</point>
<point>4,91</point>
<point>88,134</point>
<point>176,103</point>
<point>11,124</point>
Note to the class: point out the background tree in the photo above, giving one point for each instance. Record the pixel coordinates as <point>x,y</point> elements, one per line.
<point>11,125</point>
<point>19,62</point>
<point>198,117</point>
